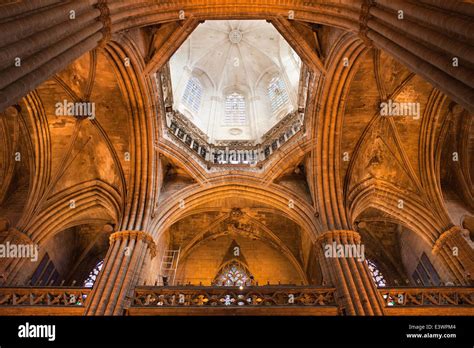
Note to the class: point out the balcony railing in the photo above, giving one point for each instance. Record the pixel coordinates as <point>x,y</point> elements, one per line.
<point>234,152</point>
<point>198,296</point>
<point>259,300</point>
<point>44,296</point>
<point>432,296</point>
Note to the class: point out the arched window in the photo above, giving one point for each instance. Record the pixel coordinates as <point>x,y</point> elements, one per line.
<point>377,276</point>
<point>89,282</point>
<point>233,274</point>
<point>192,94</point>
<point>277,93</point>
<point>235,110</point>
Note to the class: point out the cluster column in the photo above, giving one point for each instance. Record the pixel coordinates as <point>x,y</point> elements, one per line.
<point>456,254</point>
<point>10,267</point>
<point>355,289</point>
<point>127,252</point>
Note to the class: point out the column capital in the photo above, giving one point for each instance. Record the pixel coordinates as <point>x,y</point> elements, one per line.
<point>138,235</point>
<point>12,111</point>
<point>17,235</point>
<point>329,236</point>
<point>447,235</point>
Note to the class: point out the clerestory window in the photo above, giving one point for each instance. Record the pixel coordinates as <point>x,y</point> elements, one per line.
<point>235,110</point>
<point>193,94</point>
<point>277,94</point>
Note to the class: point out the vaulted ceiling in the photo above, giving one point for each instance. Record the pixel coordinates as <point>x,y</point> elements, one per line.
<point>348,162</point>
<point>235,57</point>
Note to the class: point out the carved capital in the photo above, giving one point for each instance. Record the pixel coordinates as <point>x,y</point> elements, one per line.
<point>16,236</point>
<point>137,235</point>
<point>330,236</point>
<point>446,236</point>
<point>12,111</point>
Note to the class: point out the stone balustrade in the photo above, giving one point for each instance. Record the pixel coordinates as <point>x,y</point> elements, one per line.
<point>236,152</point>
<point>43,296</point>
<point>202,296</point>
<point>430,296</point>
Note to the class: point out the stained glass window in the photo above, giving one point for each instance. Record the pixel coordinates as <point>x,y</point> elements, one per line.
<point>277,93</point>
<point>377,276</point>
<point>89,282</point>
<point>192,94</point>
<point>233,274</point>
<point>235,113</point>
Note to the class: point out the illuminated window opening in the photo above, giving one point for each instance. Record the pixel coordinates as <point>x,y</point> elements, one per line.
<point>377,275</point>
<point>89,282</point>
<point>193,94</point>
<point>233,274</point>
<point>277,94</point>
<point>235,110</point>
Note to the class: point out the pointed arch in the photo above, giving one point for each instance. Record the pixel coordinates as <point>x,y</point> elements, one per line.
<point>233,273</point>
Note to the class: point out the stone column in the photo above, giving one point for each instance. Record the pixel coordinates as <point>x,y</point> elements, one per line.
<point>456,254</point>
<point>355,289</point>
<point>119,275</point>
<point>10,266</point>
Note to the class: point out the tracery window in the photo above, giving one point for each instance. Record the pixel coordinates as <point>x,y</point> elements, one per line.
<point>193,94</point>
<point>89,282</point>
<point>235,110</point>
<point>233,274</point>
<point>277,93</point>
<point>377,275</point>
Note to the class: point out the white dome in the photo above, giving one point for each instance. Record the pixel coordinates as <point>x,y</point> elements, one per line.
<point>235,79</point>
